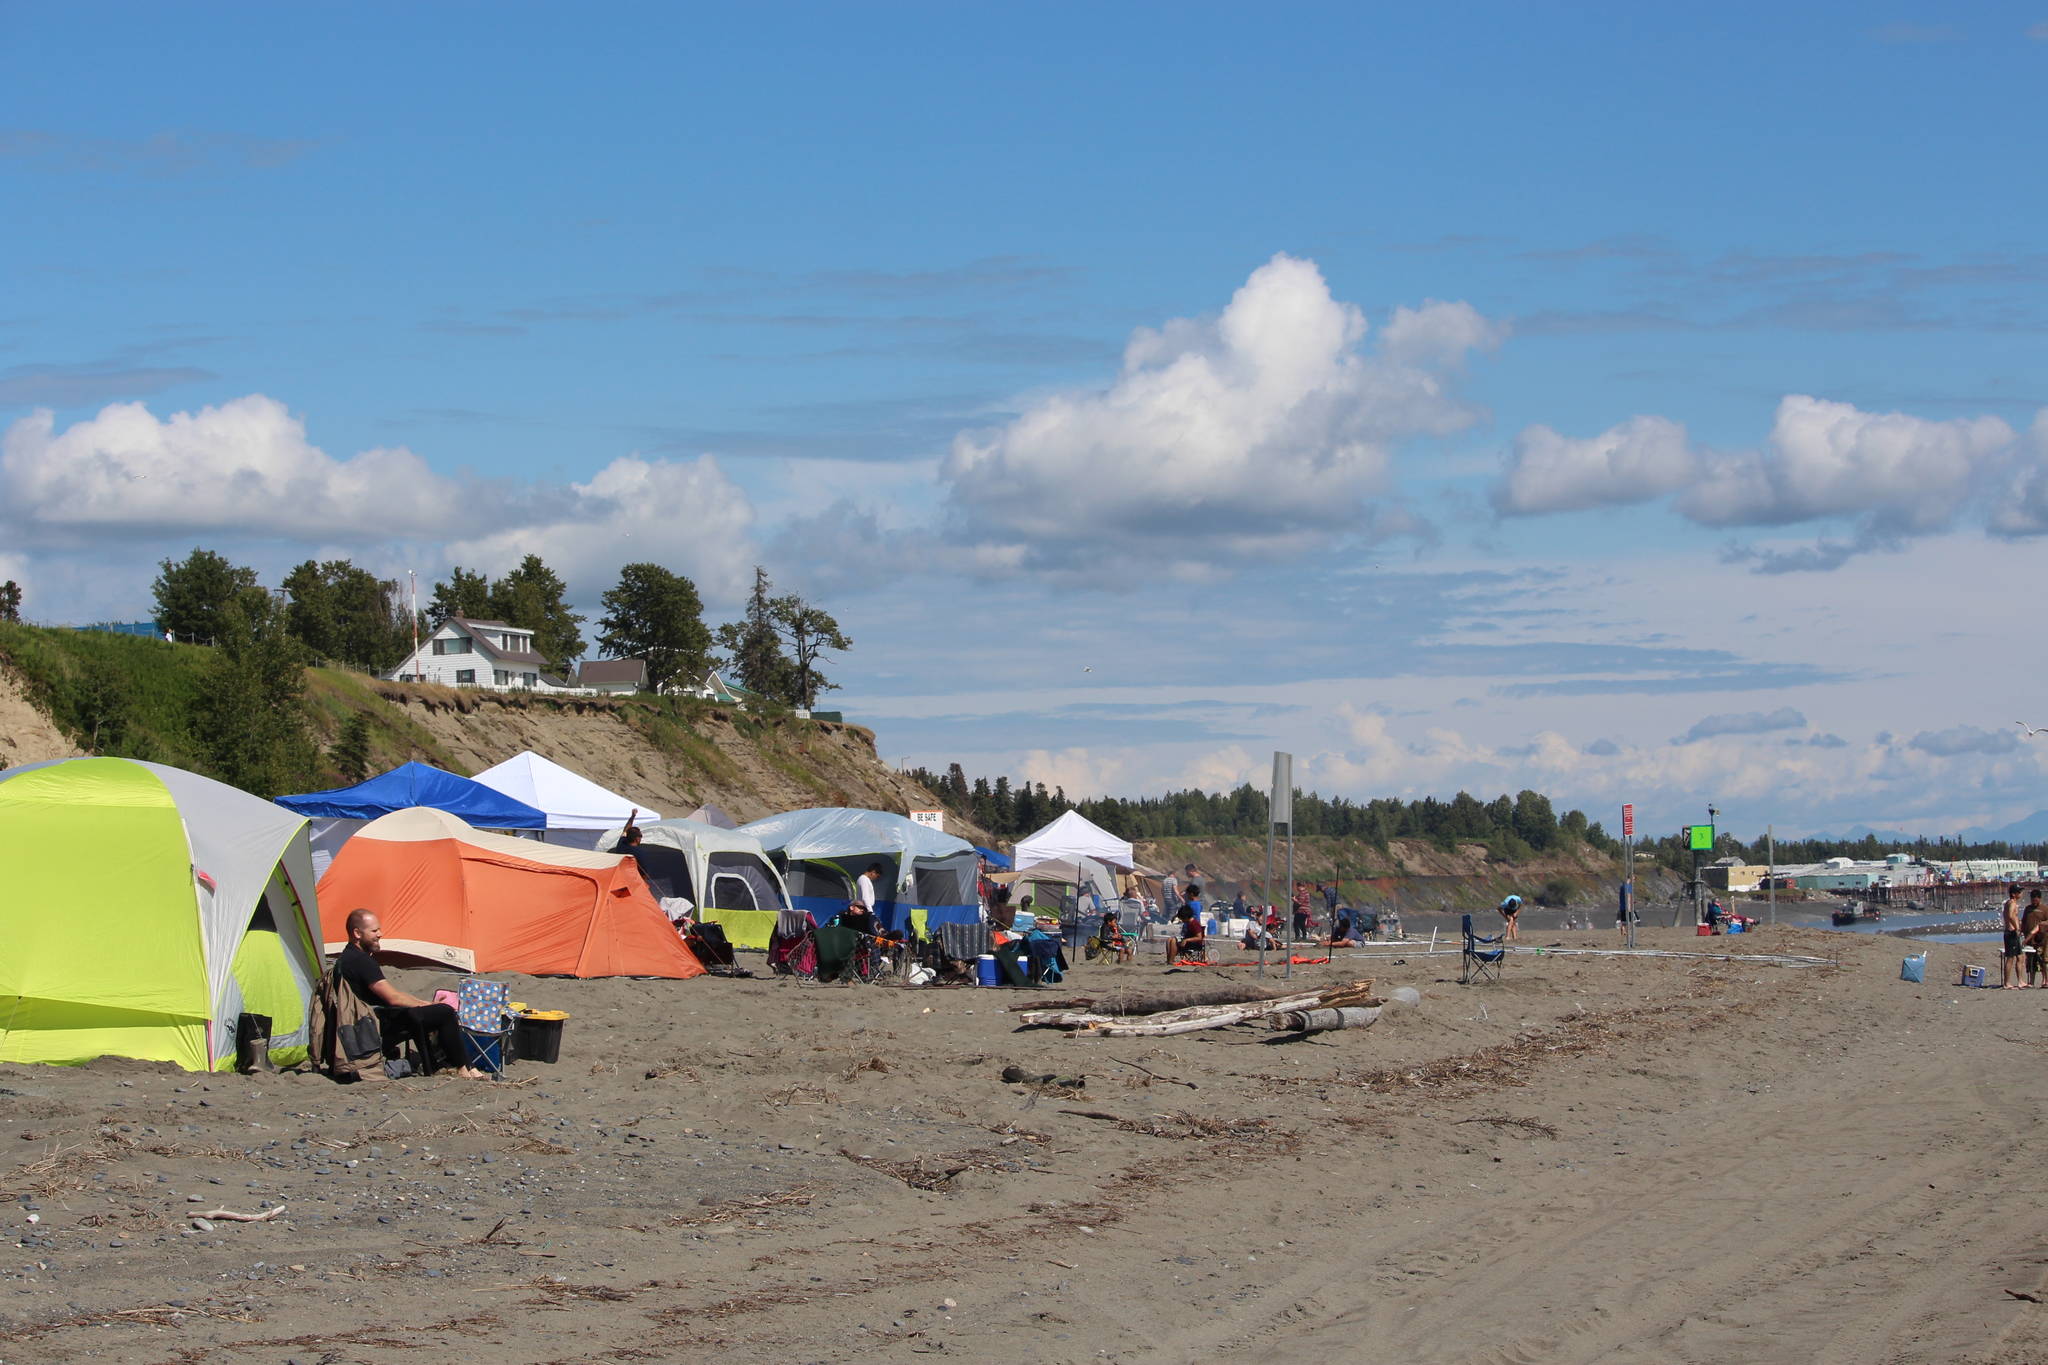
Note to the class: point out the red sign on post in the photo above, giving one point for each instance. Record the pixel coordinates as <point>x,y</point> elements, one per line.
<point>1628,822</point>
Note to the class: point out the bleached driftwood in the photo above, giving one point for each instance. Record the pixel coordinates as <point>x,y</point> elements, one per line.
<point>1197,1017</point>
<point>1323,1021</point>
<point>230,1216</point>
<point>1087,1020</point>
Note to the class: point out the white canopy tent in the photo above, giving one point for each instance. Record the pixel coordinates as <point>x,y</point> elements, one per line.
<point>579,811</point>
<point>1071,837</point>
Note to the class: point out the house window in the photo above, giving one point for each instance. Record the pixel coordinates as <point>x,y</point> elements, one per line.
<point>529,679</point>
<point>500,677</point>
<point>465,677</point>
<point>452,646</point>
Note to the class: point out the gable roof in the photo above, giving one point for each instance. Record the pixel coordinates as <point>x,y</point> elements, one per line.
<point>472,625</point>
<point>596,671</point>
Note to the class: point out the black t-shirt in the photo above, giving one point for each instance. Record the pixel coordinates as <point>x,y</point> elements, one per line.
<point>361,972</point>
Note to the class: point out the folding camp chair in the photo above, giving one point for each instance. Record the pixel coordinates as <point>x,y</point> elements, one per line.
<point>1480,963</point>
<point>837,948</point>
<point>485,1021</point>
<point>792,948</point>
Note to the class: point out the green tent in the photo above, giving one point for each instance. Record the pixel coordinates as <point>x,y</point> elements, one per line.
<point>143,909</point>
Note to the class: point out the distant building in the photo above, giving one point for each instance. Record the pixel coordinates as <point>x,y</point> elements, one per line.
<point>1734,876</point>
<point>613,677</point>
<point>487,654</point>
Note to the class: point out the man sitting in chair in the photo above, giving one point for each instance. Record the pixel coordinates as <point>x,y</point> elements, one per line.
<point>400,1015</point>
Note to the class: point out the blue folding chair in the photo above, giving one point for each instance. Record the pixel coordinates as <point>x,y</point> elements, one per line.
<point>1479,962</point>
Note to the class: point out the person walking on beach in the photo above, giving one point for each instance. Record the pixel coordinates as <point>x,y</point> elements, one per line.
<point>2009,978</point>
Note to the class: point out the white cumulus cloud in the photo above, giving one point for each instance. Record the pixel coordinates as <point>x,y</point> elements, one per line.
<point>1823,458</point>
<point>685,515</point>
<point>1238,435</point>
<point>1641,459</point>
<point>244,466</point>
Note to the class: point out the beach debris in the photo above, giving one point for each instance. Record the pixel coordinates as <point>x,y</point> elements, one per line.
<point>2022,1296</point>
<point>1506,1121</point>
<point>1197,1017</point>
<point>1017,1075</point>
<point>230,1216</point>
<point>1323,1021</point>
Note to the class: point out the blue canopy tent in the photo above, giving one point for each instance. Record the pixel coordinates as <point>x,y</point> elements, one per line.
<point>339,813</point>
<point>995,859</point>
<point>928,878</point>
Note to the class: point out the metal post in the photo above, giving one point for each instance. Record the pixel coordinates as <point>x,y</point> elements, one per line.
<point>1771,873</point>
<point>1629,888</point>
<point>1288,971</point>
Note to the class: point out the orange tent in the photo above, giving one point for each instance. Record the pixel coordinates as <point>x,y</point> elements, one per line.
<point>481,902</point>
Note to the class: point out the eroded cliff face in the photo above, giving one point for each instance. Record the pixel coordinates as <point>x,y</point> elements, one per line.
<point>26,734</point>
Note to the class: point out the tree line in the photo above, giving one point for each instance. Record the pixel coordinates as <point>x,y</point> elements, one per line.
<point>339,612</point>
<point>1514,828</point>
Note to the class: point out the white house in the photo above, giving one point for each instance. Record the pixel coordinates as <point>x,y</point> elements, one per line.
<point>486,654</point>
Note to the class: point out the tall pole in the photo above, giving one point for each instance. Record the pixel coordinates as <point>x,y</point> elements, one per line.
<point>414,579</point>
<point>1289,970</point>
<point>1628,889</point>
<point>1771,873</point>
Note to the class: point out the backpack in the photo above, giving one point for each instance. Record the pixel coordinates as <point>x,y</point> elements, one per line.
<point>347,1042</point>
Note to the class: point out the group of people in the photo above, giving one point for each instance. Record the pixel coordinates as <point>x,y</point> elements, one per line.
<point>2026,941</point>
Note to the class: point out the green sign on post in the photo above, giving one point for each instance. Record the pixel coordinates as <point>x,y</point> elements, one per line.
<point>1700,838</point>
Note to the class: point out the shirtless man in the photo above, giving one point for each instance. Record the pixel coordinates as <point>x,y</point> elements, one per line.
<point>2009,979</point>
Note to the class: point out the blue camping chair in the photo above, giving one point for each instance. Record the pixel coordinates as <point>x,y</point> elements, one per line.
<point>1479,962</point>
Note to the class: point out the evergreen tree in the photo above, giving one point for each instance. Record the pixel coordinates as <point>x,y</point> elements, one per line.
<point>810,631</point>
<point>252,717</point>
<point>754,643</point>
<point>351,752</point>
<point>656,616</point>
<point>533,598</point>
<point>10,601</point>
<point>193,596</point>
<point>464,594</point>
<point>345,613</point>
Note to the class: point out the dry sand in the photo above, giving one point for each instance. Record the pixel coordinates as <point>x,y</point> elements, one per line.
<point>1597,1160</point>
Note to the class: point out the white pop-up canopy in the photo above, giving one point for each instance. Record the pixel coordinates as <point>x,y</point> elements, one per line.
<point>569,800</point>
<point>1070,837</point>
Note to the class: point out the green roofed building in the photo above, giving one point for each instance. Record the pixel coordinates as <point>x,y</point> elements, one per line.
<point>143,910</point>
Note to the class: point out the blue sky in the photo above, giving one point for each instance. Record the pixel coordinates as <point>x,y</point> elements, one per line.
<point>1624,401</point>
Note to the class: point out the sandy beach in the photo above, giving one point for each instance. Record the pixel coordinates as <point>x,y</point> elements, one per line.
<point>1599,1159</point>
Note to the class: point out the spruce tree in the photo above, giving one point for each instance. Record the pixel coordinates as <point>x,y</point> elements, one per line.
<point>754,644</point>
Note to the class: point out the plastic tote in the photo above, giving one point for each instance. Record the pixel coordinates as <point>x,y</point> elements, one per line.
<point>537,1036</point>
<point>1914,968</point>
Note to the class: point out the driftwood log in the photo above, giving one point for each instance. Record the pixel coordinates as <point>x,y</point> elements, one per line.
<point>1196,1017</point>
<point>1323,1021</point>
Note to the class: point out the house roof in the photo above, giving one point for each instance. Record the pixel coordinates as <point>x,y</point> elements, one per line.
<point>474,629</point>
<point>599,671</point>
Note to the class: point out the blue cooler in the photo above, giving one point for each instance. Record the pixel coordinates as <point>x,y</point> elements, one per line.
<point>985,972</point>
